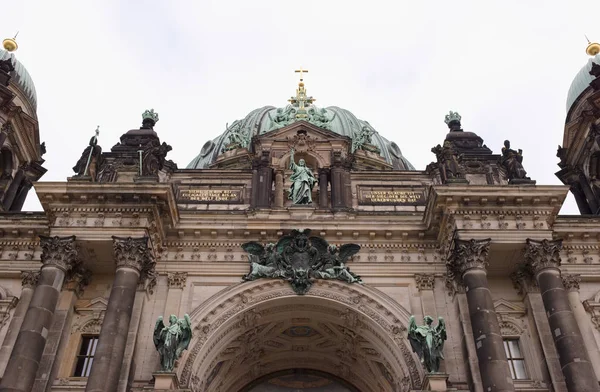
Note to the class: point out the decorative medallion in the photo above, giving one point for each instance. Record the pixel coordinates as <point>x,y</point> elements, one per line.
<point>300,259</point>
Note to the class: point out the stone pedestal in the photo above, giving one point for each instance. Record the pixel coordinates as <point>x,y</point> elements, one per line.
<point>435,382</point>
<point>165,381</point>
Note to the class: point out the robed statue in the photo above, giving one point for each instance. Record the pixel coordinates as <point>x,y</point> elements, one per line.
<point>302,180</point>
<point>171,341</point>
<point>428,342</point>
<point>512,161</point>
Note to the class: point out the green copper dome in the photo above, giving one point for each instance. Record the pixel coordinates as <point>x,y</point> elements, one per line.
<point>21,77</point>
<point>269,118</point>
<point>581,81</point>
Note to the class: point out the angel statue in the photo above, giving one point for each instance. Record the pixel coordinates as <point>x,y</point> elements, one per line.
<point>428,341</point>
<point>172,340</point>
<point>264,261</point>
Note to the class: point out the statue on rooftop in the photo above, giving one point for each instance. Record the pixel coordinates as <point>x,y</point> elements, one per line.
<point>363,139</point>
<point>448,160</point>
<point>171,341</point>
<point>512,161</point>
<point>428,341</point>
<point>88,163</point>
<point>303,181</point>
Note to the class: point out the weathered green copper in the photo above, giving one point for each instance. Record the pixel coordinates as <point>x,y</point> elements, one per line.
<point>150,115</point>
<point>428,341</point>
<point>363,140</point>
<point>302,180</point>
<point>171,341</point>
<point>299,259</point>
<point>452,116</point>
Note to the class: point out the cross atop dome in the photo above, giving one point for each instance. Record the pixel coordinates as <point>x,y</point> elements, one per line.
<point>301,100</point>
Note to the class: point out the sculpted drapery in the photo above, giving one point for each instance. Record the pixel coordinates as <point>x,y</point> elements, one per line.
<point>303,181</point>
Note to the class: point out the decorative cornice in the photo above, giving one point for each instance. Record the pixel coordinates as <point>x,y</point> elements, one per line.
<point>425,281</point>
<point>134,253</point>
<point>176,280</point>
<point>542,254</point>
<point>29,279</point>
<point>571,282</point>
<point>60,252</point>
<point>466,255</point>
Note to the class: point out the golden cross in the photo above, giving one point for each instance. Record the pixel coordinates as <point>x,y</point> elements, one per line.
<point>301,71</point>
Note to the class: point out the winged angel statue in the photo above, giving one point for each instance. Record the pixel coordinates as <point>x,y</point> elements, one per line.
<point>299,259</point>
<point>171,341</point>
<point>428,341</point>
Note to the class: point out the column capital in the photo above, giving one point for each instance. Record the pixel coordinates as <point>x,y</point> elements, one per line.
<point>60,252</point>
<point>571,282</point>
<point>29,279</point>
<point>540,255</point>
<point>425,281</point>
<point>176,280</point>
<point>78,280</point>
<point>134,253</point>
<point>467,255</point>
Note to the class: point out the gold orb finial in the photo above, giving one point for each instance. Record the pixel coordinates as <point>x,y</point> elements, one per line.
<point>593,48</point>
<point>10,44</point>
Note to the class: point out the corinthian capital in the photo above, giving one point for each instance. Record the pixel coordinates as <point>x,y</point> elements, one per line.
<point>60,252</point>
<point>571,282</point>
<point>29,279</point>
<point>135,253</point>
<point>466,255</point>
<point>542,254</point>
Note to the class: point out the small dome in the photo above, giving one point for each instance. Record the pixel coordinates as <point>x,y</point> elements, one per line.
<point>333,118</point>
<point>581,81</point>
<point>21,77</point>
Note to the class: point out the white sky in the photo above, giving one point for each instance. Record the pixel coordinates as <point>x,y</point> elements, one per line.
<point>505,66</point>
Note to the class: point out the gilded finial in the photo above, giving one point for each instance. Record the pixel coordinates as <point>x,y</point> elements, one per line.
<point>593,48</point>
<point>10,44</point>
<point>301,100</point>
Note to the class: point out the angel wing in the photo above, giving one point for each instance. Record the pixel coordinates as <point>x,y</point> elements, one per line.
<point>440,328</point>
<point>254,248</point>
<point>415,343</point>
<point>320,244</point>
<point>158,342</point>
<point>186,329</point>
<point>348,250</point>
<point>283,243</point>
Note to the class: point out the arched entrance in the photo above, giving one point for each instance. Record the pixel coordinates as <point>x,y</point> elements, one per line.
<point>299,380</point>
<point>354,333</point>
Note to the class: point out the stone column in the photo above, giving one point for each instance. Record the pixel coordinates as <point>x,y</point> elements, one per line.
<point>29,281</point>
<point>17,205</point>
<point>580,199</point>
<point>323,180</point>
<point>542,261</point>
<point>59,332</point>
<point>59,257</point>
<point>279,192</point>
<point>571,283</point>
<point>467,265</point>
<point>128,365</point>
<point>262,180</point>
<point>11,191</point>
<point>134,263</point>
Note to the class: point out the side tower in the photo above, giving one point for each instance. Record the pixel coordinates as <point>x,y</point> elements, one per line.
<point>580,152</point>
<point>20,149</point>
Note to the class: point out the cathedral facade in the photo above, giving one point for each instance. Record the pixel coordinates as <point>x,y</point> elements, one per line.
<point>299,251</point>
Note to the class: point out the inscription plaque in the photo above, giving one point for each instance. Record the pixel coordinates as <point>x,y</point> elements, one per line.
<point>199,195</point>
<point>391,196</point>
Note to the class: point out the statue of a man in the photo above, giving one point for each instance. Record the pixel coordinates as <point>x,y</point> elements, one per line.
<point>428,342</point>
<point>303,181</point>
<point>171,341</point>
<point>512,161</point>
<point>448,160</point>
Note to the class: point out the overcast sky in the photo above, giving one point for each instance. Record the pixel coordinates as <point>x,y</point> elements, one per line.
<point>505,66</point>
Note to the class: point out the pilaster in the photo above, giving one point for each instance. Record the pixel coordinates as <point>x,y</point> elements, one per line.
<point>425,284</point>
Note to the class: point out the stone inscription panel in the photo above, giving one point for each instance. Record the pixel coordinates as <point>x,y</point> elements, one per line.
<point>198,194</point>
<point>381,195</point>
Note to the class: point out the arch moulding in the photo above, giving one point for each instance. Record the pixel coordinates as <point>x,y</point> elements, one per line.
<point>233,312</point>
